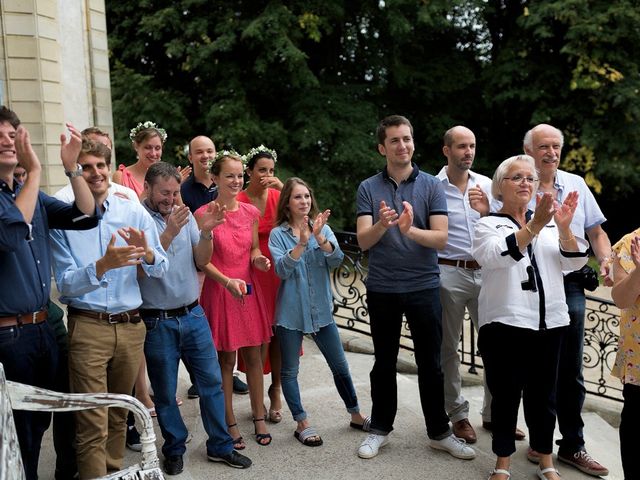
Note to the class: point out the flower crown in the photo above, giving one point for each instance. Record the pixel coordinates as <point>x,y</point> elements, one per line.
<point>225,153</point>
<point>143,126</point>
<point>259,149</point>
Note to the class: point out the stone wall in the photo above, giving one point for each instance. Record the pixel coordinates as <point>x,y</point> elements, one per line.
<point>54,69</point>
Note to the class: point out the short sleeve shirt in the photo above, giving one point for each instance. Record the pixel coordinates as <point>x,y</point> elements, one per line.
<point>397,264</point>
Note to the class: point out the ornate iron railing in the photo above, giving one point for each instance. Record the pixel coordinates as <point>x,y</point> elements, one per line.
<point>601,323</point>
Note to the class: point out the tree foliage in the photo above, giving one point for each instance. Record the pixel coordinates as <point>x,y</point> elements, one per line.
<point>312,78</point>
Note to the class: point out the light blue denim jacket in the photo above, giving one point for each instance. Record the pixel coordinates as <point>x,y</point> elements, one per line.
<point>304,301</point>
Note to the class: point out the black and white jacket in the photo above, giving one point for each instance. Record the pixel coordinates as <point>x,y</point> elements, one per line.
<point>522,288</point>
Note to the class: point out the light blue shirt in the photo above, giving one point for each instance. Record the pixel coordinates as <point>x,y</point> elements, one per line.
<point>462,218</point>
<point>179,287</point>
<point>588,213</point>
<point>75,254</point>
<point>304,300</point>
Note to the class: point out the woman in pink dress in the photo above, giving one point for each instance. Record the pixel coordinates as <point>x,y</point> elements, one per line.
<point>147,139</point>
<point>263,192</point>
<point>231,296</point>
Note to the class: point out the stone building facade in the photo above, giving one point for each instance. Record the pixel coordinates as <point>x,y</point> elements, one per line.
<point>54,68</point>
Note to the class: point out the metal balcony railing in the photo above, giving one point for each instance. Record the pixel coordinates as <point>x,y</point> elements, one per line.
<point>602,323</point>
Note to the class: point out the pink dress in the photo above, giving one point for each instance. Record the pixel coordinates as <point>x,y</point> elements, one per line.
<point>129,180</point>
<point>235,323</point>
<point>269,281</point>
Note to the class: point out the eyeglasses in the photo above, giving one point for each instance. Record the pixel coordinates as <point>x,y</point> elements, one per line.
<point>520,178</point>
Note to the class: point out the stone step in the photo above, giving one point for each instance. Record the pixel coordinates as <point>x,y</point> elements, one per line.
<point>407,456</point>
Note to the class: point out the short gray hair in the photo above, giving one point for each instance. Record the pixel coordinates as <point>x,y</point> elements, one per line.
<point>503,169</point>
<point>527,141</point>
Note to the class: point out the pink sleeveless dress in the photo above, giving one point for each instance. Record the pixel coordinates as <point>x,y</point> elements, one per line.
<point>235,323</point>
<point>128,180</point>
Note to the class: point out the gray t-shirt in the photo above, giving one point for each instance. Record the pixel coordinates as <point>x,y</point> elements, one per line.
<point>397,264</point>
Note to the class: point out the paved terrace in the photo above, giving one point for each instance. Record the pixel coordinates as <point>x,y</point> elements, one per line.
<point>407,456</point>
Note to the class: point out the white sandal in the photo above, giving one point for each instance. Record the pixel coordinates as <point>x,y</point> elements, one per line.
<point>541,472</point>
<point>500,471</point>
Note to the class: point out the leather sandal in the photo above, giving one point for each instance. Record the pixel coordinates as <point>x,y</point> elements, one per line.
<point>260,437</point>
<point>238,443</point>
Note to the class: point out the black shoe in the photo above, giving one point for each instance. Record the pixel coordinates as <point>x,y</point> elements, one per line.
<point>233,459</point>
<point>193,392</point>
<point>239,386</point>
<point>173,465</point>
<point>133,439</point>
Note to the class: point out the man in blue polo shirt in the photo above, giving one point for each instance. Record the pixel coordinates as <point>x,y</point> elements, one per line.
<point>402,222</point>
<point>28,349</point>
<point>177,327</point>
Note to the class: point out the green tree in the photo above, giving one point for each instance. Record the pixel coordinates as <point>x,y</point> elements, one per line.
<point>312,78</point>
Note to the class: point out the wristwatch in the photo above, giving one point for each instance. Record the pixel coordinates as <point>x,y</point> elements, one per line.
<point>76,173</point>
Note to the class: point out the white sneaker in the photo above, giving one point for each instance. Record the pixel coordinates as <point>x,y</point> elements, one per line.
<point>373,442</point>
<point>455,446</point>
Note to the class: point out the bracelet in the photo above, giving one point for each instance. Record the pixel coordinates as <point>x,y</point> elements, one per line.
<point>572,237</point>
<point>228,281</point>
<point>303,244</point>
<point>528,229</point>
<point>326,240</point>
<point>204,237</point>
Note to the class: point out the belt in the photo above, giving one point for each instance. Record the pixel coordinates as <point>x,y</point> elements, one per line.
<point>466,264</point>
<point>131,316</point>
<point>24,319</point>
<point>176,312</point>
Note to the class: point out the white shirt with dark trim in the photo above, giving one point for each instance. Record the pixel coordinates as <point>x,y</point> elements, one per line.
<point>504,268</point>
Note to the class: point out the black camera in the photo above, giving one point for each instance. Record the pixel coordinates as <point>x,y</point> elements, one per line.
<point>530,282</point>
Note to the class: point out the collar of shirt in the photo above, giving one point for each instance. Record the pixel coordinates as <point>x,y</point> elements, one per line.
<point>414,174</point>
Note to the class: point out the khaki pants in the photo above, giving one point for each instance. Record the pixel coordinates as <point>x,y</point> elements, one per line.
<point>103,357</point>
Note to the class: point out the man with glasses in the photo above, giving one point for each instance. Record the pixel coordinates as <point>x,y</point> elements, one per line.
<point>544,143</point>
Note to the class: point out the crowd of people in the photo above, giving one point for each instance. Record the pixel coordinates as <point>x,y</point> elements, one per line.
<point>159,265</point>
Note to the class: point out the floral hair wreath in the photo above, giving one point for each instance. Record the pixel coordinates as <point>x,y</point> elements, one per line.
<point>225,153</point>
<point>143,126</point>
<point>259,149</point>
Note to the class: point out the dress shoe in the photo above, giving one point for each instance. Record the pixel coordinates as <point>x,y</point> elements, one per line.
<point>519,434</point>
<point>463,429</point>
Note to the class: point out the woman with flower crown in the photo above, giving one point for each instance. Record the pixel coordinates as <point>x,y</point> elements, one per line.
<point>147,139</point>
<point>263,193</point>
<point>231,296</point>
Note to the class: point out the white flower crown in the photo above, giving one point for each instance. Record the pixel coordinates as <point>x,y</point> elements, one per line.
<point>143,126</point>
<point>259,149</point>
<point>225,153</point>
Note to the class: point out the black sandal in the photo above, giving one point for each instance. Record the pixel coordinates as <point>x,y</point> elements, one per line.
<point>238,443</point>
<point>261,436</point>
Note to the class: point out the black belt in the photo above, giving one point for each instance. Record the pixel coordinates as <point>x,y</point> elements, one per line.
<point>131,316</point>
<point>176,312</point>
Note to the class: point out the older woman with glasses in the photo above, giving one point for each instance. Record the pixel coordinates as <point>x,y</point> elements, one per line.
<point>522,309</point>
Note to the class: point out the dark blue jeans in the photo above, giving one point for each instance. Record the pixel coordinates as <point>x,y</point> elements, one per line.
<point>187,337</point>
<point>328,341</point>
<point>29,355</point>
<point>424,316</point>
<point>571,391</point>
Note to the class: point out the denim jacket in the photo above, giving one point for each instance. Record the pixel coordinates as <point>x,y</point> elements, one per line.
<point>304,300</point>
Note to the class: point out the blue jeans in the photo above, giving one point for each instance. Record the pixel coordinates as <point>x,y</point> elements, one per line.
<point>424,315</point>
<point>571,391</point>
<point>187,337</point>
<point>29,355</point>
<point>328,341</point>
